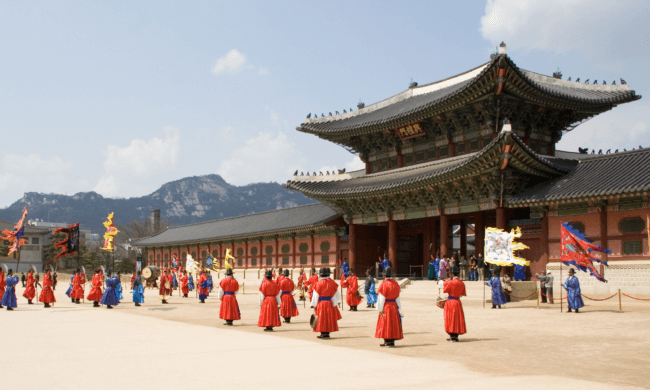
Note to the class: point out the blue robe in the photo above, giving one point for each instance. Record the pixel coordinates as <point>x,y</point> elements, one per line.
<point>138,294</point>
<point>574,299</point>
<point>371,295</point>
<point>385,264</point>
<point>69,291</point>
<point>205,284</point>
<point>110,297</point>
<point>174,281</point>
<point>432,271</point>
<point>436,267</point>
<point>210,282</point>
<point>498,297</point>
<point>9,299</point>
<point>118,291</point>
<point>345,269</point>
<point>190,283</point>
<point>519,272</point>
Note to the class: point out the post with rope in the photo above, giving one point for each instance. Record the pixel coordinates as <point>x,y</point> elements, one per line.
<point>620,306</point>
<point>561,291</point>
<point>539,289</point>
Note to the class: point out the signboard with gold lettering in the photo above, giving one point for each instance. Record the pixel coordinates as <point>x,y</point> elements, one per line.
<point>411,131</point>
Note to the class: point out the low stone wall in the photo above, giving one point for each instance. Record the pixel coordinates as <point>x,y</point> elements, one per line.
<point>523,289</point>
<point>631,277</point>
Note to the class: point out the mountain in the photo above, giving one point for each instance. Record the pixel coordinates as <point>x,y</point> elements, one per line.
<point>185,201</point>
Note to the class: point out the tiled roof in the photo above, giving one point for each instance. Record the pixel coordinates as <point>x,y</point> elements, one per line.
<point>28,229</point>
<point>426,173</point>
<point>603,175</point>
<point>269,222</point>
<point>415,101</point>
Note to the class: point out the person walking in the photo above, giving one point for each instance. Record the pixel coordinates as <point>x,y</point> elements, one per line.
<point>473,273</point>
<point>109,298</point>
<point>453,309</point>
<point>442,270</point>
<point>351,284</point>
<point>30,290</point>
<point>325,299</point>
<point>203,287</point>
<point>138,290</point>
<point>229,308</point>
<point>9,297</point>
<point>369,289</point>
<point>498,298</point>
<point>270,301</point>
<point>95,294</point>
<point>23,279</point>
<point>464,266</point>
<point>288,306</point>
<point>574,297</point>
<point>184,284</point>
<point>389,322</point>
<point>47,294</point>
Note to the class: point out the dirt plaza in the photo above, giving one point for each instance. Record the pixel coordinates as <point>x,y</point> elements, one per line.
<point>185,343</point>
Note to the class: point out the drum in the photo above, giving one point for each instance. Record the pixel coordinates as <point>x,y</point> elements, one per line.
<point>146,273</point>
<point>313,321</point>
<point>441,303</point>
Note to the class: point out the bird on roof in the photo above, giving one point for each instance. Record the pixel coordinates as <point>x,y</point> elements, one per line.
<point>616,151</point>
<point>350,109</point>
<point>315,115</point>
<point>337,113</point>
<point>604,82</point>
<point>314,173</point>
<point>320,173</point>
<point>595,82</point>
<point>587,81</point>
<point>330,113</point>
<point>600,151</point>
<point>322,115</point>
<point>640,147</point>
<point>583,150</point>
<point>309,115</point>
<point>345,112</point>
<point>302,174</point>
<point>578,80</point>
<point>623,82</point>
<point>593,151</point>
<point>609,151</point>
<point>328,173</point>
<point>614,82</point>
<point>295,173</point>
<point>569,79</point>
<point>625,150</point>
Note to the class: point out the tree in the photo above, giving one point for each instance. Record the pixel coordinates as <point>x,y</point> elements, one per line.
<point>134,231</point>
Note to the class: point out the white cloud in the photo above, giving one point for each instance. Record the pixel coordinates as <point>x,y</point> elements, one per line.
<point>140,167</point>
<point>20,174</point>
<point>267,157</point>
<point>232,62</point>
<point>609,31</point>
<point>263,71</point>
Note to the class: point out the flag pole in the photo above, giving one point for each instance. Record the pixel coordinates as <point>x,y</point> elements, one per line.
<point>561,291</point>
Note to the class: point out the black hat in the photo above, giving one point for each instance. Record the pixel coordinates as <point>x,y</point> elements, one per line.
<point>228,271</point>
<point>388,272</point>
<point>324,272</point>
<point>269,274</point>
<point>286,273</point>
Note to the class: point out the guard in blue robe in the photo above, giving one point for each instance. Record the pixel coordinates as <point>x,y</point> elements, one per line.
<point>210,285</point>
<point>572,286</point>
<point>498,297</point>
<point>118,289</point>
<point>174,280</point>
<point>345,269</point>
<point>519,272</point>
<point>371,294</point>
<point>431,274</point>
<point>436,267</point>
<point>9,297</point>
<point>138,290</point>
<point>190,282</point>
<point>110,297</point>
<point>385,264</point>
<point>69,290</point>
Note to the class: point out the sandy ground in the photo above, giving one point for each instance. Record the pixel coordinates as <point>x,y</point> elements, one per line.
<point>185,344</point>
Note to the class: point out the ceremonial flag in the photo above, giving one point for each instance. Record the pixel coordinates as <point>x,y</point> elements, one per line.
<point>174,262</point>
<point>500,247</point>
<point>576,250</point>
<point>109,236</point>
<point>15,236</point>
<point>208,262</point>
<point>190,265</point>
<point>70,244</point>
<point>228,256</point>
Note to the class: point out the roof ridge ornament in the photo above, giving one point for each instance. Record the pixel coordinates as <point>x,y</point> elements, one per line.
<point>502,48</point>
<point>506,125</point>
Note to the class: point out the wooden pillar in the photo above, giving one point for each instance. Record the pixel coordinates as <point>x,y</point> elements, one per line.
<point>352,246</point>
<point>463,237</point>
<point>313,252</point>
<point>262,255</point>
<point>444,234</point>
<point>294,261</point>
<point>278,261</point>
<point>543,242</point>
<point>603,236</point>
<point>392,244</point>
<point>479,233</point>
<point>434,237</point>
<point>502,223</point>
<point>246,254</point>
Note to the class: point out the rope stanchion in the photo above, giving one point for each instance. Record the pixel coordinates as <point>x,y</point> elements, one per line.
<point>563,298</point>
<point>535,292</point>
<point>637,299</point>
<point>595,299</point>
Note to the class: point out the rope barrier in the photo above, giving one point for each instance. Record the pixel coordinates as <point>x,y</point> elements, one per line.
<point>521,297</point>
<point>638,299</point>
<point>604,299</point>
<point>556,299</point>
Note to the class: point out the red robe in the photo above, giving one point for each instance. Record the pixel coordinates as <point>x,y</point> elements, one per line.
<point>77,289</point>
<point>132,279</point>
<point>47,294</point>
<point>389,326</point>
<point>279,279</point>
<point>301,281</point>
<point>352,296</point>
<point>326,310</point>
<point>311,283</point>
<point>96,293</point>
<point>204,291</point>
<point>229,309</point>
<point>288,307</point>
<point>162,290</point>
<point>3,283</point>
<point>30,291</point>
<point>454,316</point>
<point>185,288</point>
<point>269,315</point>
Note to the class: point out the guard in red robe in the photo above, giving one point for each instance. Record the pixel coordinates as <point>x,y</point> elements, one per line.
<point>302,278</point>
<point>454,316</point>
<point>288,306</point>
<point>47,294</point>
<point>389,324</point>
<point>204,289</point>
<point>270,302</point>
<point>352,297</point>
<point>325,300</point>
<point>96,293</point>
<point>30,290</point>
<point>311,283</point>
<point>77,288</point>
<point>228,288</point>
<point>3,283</point>
<point>165,289</point>
<point>185,287</point>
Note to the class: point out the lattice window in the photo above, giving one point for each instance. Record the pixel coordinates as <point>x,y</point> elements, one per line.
<point>269,250</point>
<point>473,145</point>
<point>240,252</point>
<point>303,248</point>
<point>325,260</point>
<point>254,250</point>
<point>325,246</point>
<point>393,162</point>
<point>285,261</point>
<point>460,148</point>
<point>383,164</point>
<point>443,151</point>
<point>303,260</point>
<point>631,225</point>
<point>408,159</point>
<point>269,261</point>
<point>632,248</point>
<point>285,248</point>
<point>253,261</point>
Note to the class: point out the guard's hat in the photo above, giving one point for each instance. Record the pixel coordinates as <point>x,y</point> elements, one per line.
<point>324,272</point>
<point>269,274</point>
<point>388,272</point>
<point>228,271</point>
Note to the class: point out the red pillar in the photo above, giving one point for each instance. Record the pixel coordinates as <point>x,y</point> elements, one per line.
<point>543,242</point>
<point>392,244</point>
<point>603,237</point>
<point>294,261</point>
<point>502,223</point>
<point>352,255</point>
<point>479,233</point>
<point>463,238</point>
<point>444,234</point>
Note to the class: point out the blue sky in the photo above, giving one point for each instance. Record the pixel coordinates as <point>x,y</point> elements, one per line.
<point>121,97</point>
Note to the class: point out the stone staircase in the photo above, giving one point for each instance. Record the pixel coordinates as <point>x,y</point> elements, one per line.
<point>428,289</point>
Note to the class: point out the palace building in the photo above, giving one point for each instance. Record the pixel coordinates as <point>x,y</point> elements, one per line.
<point>471,151</point>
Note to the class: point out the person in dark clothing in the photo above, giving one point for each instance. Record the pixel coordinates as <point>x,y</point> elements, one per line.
<point>23,279</point>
